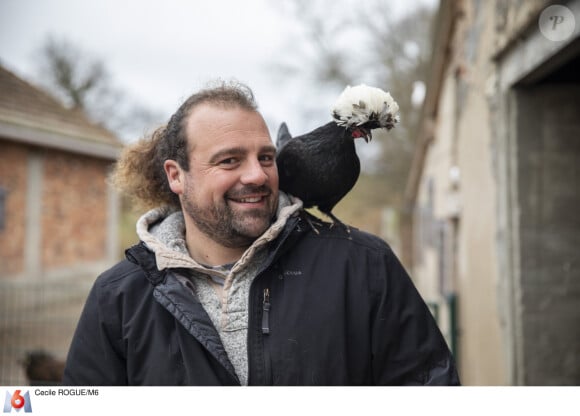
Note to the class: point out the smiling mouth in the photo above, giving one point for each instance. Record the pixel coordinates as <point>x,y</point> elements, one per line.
<point>250,200</point>
<point>249,195</point>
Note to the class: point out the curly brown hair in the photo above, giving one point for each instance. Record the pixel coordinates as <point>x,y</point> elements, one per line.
<point>139,172</point>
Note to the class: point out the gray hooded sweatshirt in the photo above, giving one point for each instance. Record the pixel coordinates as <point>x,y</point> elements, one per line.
<point>223,291</point>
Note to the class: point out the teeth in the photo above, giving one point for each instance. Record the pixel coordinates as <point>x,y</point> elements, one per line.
<point>250,200</point>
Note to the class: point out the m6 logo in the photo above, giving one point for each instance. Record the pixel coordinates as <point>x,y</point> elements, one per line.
<point>17,402</point>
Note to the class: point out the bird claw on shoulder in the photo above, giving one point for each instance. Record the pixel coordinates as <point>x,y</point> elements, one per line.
<point>337,221</point>
<point>313,222</point>
<point>312,226</point>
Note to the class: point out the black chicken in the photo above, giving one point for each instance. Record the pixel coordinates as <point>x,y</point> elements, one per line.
<point>321,167</point>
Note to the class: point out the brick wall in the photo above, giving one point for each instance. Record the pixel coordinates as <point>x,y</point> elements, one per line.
<point>13,180</point>
<point>74,210</point>
<point>55,235</point>
<point>71,195</point>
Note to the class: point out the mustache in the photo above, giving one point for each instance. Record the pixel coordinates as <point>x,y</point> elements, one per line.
<point>249,191</point>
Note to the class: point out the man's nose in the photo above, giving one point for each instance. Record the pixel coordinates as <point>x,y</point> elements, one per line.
<point>254,173</point>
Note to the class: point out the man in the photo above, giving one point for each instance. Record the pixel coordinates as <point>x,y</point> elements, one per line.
<point>230,285</point>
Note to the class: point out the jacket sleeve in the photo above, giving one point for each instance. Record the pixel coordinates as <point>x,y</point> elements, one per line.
<point>408,347</point>
<point>95,355</point>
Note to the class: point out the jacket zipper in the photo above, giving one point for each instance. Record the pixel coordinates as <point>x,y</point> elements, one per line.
<point>252,330</point>
<point>266,312</point>
<point>265,338</point>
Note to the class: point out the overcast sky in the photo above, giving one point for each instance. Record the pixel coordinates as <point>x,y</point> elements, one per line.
<point>162,51</point>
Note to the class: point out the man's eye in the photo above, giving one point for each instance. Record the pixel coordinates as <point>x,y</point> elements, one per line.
<point>229,161</point>
<point>266,159</point>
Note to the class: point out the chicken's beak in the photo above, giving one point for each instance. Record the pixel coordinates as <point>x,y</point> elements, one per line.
<point>362,133</point>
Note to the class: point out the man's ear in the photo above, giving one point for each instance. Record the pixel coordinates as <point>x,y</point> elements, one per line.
<point>175,176</point>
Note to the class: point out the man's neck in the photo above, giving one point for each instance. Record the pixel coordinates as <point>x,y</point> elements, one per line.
<point>204,250</point>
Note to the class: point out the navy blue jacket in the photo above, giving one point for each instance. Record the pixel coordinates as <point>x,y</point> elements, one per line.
<point>326,309</point>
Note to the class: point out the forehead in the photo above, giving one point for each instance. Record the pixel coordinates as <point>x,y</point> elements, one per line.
<point>210,126</point>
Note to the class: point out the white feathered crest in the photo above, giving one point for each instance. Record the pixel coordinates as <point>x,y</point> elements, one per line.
<point>363,104</point>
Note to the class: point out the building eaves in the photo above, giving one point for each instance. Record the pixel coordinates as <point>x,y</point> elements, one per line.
<point>29,115</point>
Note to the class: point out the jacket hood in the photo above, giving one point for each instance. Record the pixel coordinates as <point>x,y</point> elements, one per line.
<point>163,232</point>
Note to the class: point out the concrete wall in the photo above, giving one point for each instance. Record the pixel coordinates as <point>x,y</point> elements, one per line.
<point>507,118</point>
<point>535,127</point>
<point>481,354</point>
<point>435,258</point>
<point>549,196</point>
<point>460,164</point>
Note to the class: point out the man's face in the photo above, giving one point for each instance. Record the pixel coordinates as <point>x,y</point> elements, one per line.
<point>231,190</point>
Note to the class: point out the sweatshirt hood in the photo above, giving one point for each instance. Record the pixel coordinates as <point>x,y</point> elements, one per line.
<point>163,232</point>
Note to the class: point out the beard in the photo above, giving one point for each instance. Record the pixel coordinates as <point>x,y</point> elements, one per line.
<point>227,226</point>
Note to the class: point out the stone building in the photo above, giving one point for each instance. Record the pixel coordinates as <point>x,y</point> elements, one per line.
<point>58,219</point>
<point>494,189</point>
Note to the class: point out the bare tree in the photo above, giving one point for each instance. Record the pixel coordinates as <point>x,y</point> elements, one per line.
<point>82,81</point>
<point>71,75</point>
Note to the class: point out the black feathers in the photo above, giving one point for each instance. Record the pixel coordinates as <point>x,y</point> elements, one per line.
<point>321,167</point>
